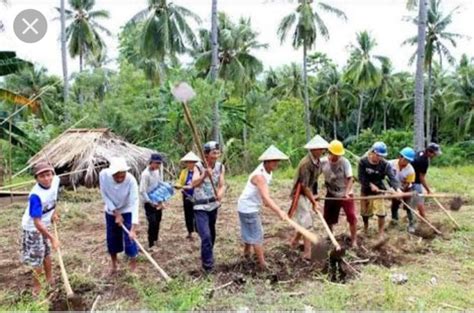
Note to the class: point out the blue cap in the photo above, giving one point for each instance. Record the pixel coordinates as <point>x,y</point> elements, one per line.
<point>155,157</point>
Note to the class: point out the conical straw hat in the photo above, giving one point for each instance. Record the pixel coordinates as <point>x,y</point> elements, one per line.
<point>190,157</point>
<point>272,153</point>
<point>317,142</point>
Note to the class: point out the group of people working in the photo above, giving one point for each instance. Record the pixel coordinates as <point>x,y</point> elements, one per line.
<point>202,184</point>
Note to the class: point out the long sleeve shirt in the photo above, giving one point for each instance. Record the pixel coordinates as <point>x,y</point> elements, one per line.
<point>375,174</point>
<point>121,197</point>
<point>148,182</point>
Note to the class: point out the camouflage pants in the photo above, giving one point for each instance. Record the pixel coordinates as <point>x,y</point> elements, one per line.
<point>35,248</point>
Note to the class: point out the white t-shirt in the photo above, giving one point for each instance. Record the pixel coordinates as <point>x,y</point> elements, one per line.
<point>48,198</point>
<point>406,175</point>
<point>335,175</point>
<point>250,201</point>
<point>122,197</point>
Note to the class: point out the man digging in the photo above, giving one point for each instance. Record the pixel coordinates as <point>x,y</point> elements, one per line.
<point>421,164</point>
<point>206,204</point>
<point>119,191</point>
<point>406,176</point>
<point>39,214</point>
<point>255,194</point>
<point>150,179</point>
<point>307,175</point>
<point>373,169</point>
<point>337,171</point>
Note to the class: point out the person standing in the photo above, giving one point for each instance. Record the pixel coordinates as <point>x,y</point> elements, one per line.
<point>206,203</point>
<point>306,181</point>
<point>185,184</point>
<point>406,175</point>
<point>254,195</point>
<point>149,180</point>
<point>119,191</point>
<point>421,164</point>
<point>36,221</point>
<point>373,169</point>
<point>338,178</point>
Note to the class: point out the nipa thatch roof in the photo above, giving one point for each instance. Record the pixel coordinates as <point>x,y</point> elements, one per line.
<point>86,151</point>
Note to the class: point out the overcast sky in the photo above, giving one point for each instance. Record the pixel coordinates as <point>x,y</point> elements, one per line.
<point>383,18</point>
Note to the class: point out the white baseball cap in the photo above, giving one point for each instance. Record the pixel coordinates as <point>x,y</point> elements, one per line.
<point>118,164</point>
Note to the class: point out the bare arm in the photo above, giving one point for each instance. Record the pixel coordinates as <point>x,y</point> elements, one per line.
<point>349,185</point>
<point>198,177</point>
<point>45,232</point>
<point>424,183</point>
<point>262,187</point>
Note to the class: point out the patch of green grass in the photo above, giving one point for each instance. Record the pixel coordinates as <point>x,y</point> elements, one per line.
<point>178,295</point>
<point>23,303</point>
<point>452,179</point>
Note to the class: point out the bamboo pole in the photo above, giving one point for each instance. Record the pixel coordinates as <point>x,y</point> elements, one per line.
<point>421,217</point>
<point>34,181</point>
<point>64,276</point>
<point>197,141</point>
<point>149,257</point>
<point>446,212</point>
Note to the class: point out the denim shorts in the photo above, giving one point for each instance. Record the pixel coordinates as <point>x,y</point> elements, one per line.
<point>251,229</point>
<point>417,200</point>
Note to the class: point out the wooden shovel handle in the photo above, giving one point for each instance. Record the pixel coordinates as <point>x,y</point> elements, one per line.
<point>446,212</point>
<point>67,285</point>
<point>421,217</point>
<point>148,256</point>
<point>328,230</point>
<point>306,233</point>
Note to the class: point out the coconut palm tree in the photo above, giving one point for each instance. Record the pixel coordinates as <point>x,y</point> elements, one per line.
<point>438,38</point>
<point>362,71</point>
<point>306,24</point>
<point>289,82</point>
<point>62,18</point>
<point>30,83</point>
<point>333,95</point>
<point>82,33</point>
<point>419,134</point>
<point>216,132</point>
<point>166,31</point>
<point>237,42</point>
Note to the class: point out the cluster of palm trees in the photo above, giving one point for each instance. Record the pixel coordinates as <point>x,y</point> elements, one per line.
<point>365,92</point>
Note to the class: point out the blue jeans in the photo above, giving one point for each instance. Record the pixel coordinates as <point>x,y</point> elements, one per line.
<point>206,227</point>
<point>117,238</point>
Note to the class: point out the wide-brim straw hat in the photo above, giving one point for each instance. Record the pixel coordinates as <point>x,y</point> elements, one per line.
<point>273,154</point>
<point>317,142</point>
<point>190,157</point>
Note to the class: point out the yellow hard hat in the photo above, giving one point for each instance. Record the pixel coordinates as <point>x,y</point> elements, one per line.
<point>336,147</point>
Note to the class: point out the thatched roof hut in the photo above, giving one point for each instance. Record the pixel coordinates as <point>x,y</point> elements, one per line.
<point>85,152</point>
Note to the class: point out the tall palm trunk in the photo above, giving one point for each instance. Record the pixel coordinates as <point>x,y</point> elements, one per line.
<point>359,114</point>
<point>428,104</point>
<point>214,67</point>
<point>334,126</point>
<point>307,118</point>
<point>419,136</point>
<point>384,116</point>
<point>64,52</point>
<point>81,66</point>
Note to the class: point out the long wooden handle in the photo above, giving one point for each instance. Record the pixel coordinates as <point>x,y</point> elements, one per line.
<point>392,196</point>
<point>446,212</point>
<point>197,141</point>
<point>328,230</point>
<point>421,217</point>
<point>306,233</point>
<point>67,285</point>
<point>149,257</point>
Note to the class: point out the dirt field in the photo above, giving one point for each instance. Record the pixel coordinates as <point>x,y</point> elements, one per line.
<point>363,281</point>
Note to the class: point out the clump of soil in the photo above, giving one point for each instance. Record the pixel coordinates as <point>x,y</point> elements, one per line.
<point>456,203</point>
<point>60,302</point>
